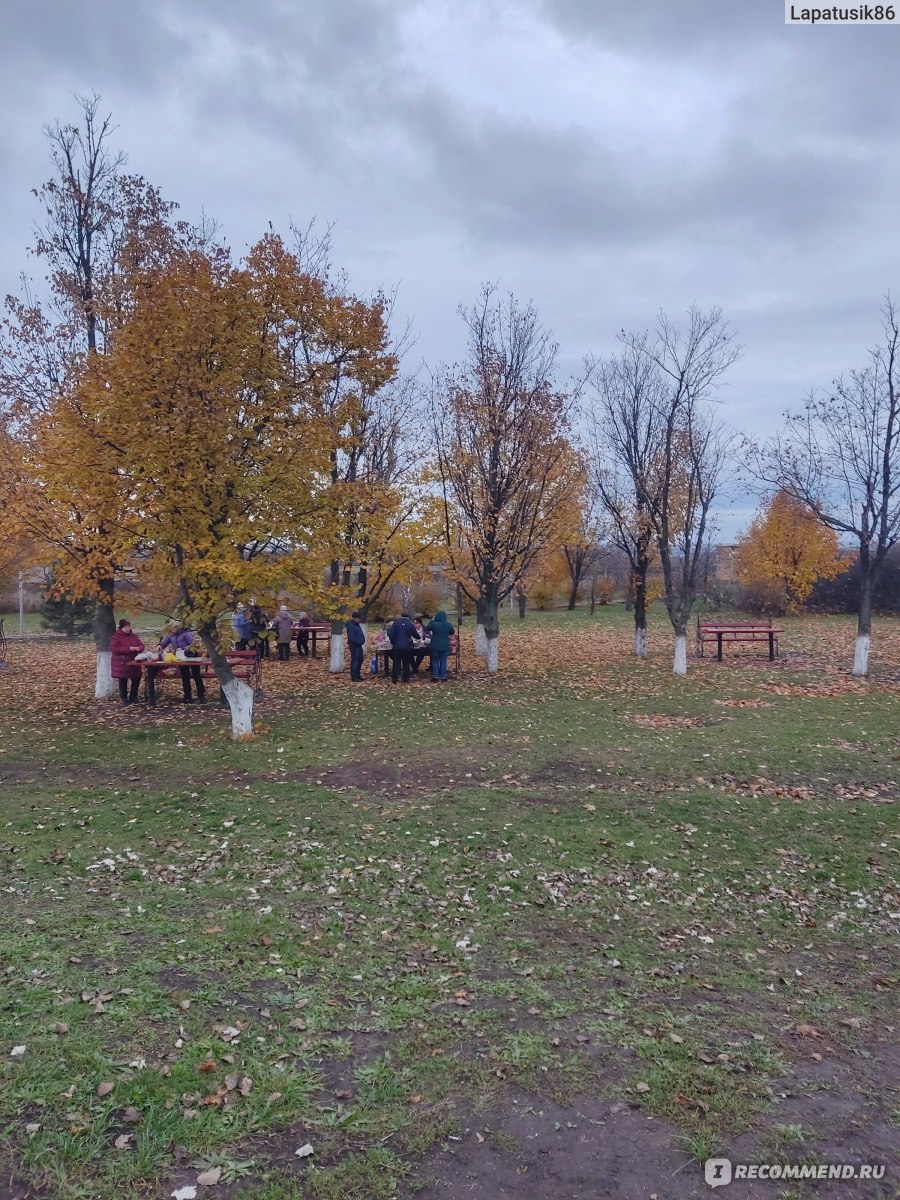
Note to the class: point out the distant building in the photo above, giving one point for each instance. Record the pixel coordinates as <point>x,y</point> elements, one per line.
<point>724,564</point>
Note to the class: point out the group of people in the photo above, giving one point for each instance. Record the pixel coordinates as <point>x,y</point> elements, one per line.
<point>125,646</point>
<point>253,627</point>
<point>406,643</point>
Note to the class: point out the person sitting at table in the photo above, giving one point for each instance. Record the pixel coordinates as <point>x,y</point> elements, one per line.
<point>402,633</point>
<point>124,646</point>
<point>284,628</point>
<point>441,634</point>
<point>303,635</point>
<point>181,638</point>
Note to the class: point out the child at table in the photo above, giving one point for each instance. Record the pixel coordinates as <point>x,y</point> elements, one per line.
<point>124,646</point>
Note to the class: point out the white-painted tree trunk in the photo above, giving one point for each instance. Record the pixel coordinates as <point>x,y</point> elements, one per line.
<point>861,655</point>
<point>640,643</point>
<point>105,686</point>
<point>680,665</point>
<point>481,642</point>
<point>493,654</point>
<point>336,665</point>
<point>240,700</point>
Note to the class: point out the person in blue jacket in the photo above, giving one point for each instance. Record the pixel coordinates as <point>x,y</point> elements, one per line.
<point>356,640</point>
<point>402,633</point>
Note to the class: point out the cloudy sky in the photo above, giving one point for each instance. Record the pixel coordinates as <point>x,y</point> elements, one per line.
<point>603,158</point>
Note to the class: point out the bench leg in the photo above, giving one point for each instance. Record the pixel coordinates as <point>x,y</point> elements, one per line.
<point>719,646</point>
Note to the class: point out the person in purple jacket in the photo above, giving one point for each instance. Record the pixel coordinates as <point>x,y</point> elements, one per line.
<point>181,638</point>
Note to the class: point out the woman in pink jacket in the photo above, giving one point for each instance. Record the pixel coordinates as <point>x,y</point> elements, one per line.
<point>124,646</point>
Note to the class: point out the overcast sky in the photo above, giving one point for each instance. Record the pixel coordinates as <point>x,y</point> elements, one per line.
<point>604,158</point>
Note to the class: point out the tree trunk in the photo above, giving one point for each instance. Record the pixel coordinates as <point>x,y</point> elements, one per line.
<point>481,647</point>
<point>336,661</point>
<point>594,601</point>
<point>104,626</point>
<point>459,606</point>
<point>573,597</point>
<point>492,633</point>
<point>863,627</point>
<point>238,694</point>
<point>680,664</point>
<point>640,615</point>
<point>523,599</point>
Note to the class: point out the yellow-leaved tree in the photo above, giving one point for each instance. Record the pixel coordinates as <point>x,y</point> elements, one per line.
<point>197,441</point>
<point>786,550</point>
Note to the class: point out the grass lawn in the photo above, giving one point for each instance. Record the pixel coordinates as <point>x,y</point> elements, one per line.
<point>564,933</point>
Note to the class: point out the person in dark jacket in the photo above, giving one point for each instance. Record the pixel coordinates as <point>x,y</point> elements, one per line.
<point>356,640</point>
<point>260,623</point>
<point>124,646</point>
<point>303,624</point>
<point>181,638</point>
<point>402,633</point>
<point>441,632</point>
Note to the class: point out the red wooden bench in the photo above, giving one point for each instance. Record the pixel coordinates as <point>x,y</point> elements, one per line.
<point>721,632</point>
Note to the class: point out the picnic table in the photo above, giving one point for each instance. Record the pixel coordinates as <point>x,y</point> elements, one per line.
<point>245,665</point>
<point>384,652</point>
<point>737,631</point>
<point>319,629</point>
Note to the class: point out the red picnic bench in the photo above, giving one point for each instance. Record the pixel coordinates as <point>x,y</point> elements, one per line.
<point>245,665</point>
<point>737,631</point>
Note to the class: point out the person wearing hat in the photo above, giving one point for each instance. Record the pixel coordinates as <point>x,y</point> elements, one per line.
<point>284,628</point>
<point>181,638</point>
<point>125,646</point>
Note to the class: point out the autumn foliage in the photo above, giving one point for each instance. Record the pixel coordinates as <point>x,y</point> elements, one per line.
<point>785,551</point>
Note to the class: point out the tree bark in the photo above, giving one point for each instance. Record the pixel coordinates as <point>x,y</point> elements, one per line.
<point>104,626</point>
<point>640,614</point>
<point>679,666</point>
<point>336,659</point>
<point>492,632</point>
<point>238,694</point>
<point>573,597</point>
<point>523,599</point>
<point>863,626</point>
<point>481,646</point>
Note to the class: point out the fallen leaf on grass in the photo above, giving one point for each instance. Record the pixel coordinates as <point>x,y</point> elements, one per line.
<point>132,1116</point>
<point>642,1087</point>
<point>189,1192</point>
<point>691,1102</point>
<point>210,1178</point>
<point>123,1141</point>
<point>103,1089</point>
<point>807,1031</point>
<point>208,1065</point>
<point>304,1151</point>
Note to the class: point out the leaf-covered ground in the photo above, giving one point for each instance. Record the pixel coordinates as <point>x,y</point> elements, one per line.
<point>562,934</point>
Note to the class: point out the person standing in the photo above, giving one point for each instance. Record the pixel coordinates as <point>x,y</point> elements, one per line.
<point>243,629</point>
<point>402,633</point>
<point>181,638</point>
<point>260,623</point>
<point>356,640</point>
<point>124,646</point>
<point>284,628</point>
<point>303,635</point>
<point>441,632</point>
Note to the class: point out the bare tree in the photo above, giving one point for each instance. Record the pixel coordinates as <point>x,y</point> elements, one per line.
<point>505,463</point>
<point>660,456</point>
<point>841,457</point>
<point>693,453</point>
<point>623,422</point>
